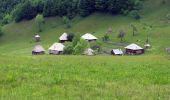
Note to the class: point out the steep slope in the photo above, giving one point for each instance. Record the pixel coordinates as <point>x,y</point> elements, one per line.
<point>19,37</point>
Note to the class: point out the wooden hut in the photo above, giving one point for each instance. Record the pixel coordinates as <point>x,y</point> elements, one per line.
<point>117,52</point>
<point>89,37</point>
<point>63,38</point>
<point>37,38</point>
<point>56,49</point>
<point>38,50</point>
<point>89,52</point>
<point>134,49</point>
<point>147,46</point>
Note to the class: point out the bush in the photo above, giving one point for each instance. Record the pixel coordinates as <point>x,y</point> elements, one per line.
<point>7,19</point>
<point>1,32</point>
<point>39,21</point>
<point>105,38</point>
<point>81,46</point>
<point>68,48</point>
<point>168,16</point>
<point>25,11</point>
<point>96,46</point>
<point>135,14</point>
<point>67,22</point>
<point>76,39</point>
<point>70,37</point>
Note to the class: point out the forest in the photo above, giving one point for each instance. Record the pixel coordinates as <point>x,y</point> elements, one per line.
<point>27,9</point>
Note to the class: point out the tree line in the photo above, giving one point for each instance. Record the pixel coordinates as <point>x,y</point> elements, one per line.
<point>27,9</point>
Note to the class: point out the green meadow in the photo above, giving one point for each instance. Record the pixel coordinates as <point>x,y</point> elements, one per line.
<point>100,77</point>
<point>89,78</point>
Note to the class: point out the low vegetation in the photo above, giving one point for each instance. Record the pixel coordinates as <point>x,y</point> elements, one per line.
<point>69,76</point>
<point>50,77</point>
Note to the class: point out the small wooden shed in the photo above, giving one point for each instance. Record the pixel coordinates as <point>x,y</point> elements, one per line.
<point>147,46</point>
<point>89,52</point>
<point>134,49</point>
<point>117,52</point>
<point>89,37</point>
<point>38,50</point>
<point>56,49</point>
<point>63,38</point>
<point>37,38</point>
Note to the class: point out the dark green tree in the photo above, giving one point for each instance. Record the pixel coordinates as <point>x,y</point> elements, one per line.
<point>39,21</point>
<point>86,7</point>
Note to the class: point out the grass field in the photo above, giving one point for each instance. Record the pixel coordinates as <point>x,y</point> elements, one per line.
<point>143,77</point>
<point>77,77</point>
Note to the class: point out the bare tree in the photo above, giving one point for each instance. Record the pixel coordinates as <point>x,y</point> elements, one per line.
<point>121,35</point>
<point>134,29</point>
<point>109,31</point>
<point>147,29</point>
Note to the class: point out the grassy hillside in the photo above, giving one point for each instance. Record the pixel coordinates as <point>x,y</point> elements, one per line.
<point>24,76</point>
<point>19,37</point>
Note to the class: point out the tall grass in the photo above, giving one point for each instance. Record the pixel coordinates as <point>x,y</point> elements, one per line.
<point>78,77</point>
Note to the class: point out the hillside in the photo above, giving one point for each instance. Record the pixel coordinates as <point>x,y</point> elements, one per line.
<point>19,36</point>
<point>77,77</point>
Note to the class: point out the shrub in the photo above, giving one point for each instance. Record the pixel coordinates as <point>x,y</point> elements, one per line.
<point>70,37</point>
<point>81,46</point>
<point>168,16</point>
<point>1,32</point>
<point>67,22</point>
<point>76,39</point>
<point>39,21</point>
<point>96,46</point>
<point>25,11</point>
<point>135,14</point>
<point>68,48</point>
<point>7,19</point>
<point>105,37</point>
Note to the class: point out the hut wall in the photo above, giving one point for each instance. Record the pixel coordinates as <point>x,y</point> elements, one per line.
<point>135,52</point>
<point>62,41</point>
<point>54,52</point>
<point>37,39</point>
<point>92,40</point>
<point>38,53</point>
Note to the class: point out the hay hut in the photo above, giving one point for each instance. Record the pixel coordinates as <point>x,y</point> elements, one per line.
<point>134,49</point>
<point>147,46</point>
<point>117,52</point>
<point>56,49</point>
<point>38,50</point>
<point>37,38</point>
<point>63,38</point>
<point>89,37</point>
<point>89,52</point>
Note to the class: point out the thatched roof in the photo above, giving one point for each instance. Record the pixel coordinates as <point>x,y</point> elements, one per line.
<point>147,45</point>
<point>133,47</point>
<point>89,36</point>
<point>64,37</point>
<point>37,36</point>
<point>57,47</point>
<point>89,52</point>
<point>38,48</point>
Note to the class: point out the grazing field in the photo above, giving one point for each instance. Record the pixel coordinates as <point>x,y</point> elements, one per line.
<point>78,77</point>
<point>46,77</point>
